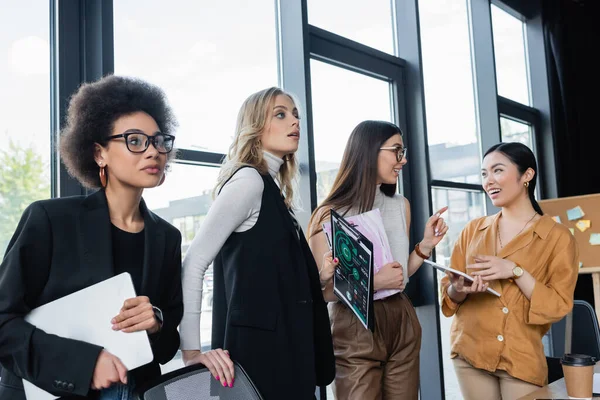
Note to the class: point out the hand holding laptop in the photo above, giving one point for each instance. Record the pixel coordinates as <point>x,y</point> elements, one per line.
<point>109,369</point>
<point>137,314</point>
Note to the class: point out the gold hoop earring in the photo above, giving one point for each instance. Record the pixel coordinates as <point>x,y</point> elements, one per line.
<point>102,177</point>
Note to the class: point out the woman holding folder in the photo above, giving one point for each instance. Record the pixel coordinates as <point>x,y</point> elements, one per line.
<point>383,364</point>
<point>117,139</point>
<point>527,257</point>
<point>268,311</point>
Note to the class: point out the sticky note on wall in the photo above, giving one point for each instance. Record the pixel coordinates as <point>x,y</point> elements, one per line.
<point>583,224</point>
<point>575,213</point>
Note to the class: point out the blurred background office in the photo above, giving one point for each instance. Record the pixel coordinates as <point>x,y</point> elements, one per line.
<point>456,75</point>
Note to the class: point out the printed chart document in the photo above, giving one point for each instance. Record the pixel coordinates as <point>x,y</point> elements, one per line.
<point>85,315</point>
<point>353,279</point>
<point>370,224</point>
<point>443,268</point>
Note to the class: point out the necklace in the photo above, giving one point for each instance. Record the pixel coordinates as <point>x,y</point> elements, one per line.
<point>531,219</point>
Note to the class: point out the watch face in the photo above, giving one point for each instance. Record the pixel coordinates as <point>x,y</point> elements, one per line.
<point>518,271</point>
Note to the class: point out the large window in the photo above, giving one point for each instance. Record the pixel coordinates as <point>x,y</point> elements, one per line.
<point>463,206</point>
<point>369,23</point>
<point>366,62</point>
<point>448,79</point>
<point>341,99</point>
<point>516,131</point>
<point>24,110</point>
<point>510,55</point>
<point>183,200</point>
<point>207,59</point>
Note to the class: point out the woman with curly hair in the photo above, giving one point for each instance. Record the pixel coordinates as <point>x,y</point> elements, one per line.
<point>118,138</point>
<point>268,310</point>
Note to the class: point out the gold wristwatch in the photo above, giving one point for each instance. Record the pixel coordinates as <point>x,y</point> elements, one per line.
<point>517,271</point>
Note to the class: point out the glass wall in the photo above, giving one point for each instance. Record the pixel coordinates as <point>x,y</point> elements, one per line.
<point>341,99</point>
<point>207,59</point>
<point>515,131</point>
<point>449,96</point>
<point>369,23</point>
<point>463,206</point>
<point>511,56</point>
<point>24,110</point>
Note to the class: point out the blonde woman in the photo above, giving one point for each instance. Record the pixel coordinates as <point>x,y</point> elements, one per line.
<point>268,310</point>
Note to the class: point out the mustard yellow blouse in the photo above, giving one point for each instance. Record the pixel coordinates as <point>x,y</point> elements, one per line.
<point>506,332</point>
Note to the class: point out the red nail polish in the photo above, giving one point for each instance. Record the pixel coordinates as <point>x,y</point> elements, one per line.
<point>217,378</point>
<point>231,384</point>
<point>336,260</point>
<point>224,384</point>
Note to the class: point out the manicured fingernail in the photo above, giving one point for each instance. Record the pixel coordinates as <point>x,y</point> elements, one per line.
<point>217,378</point>
<point>224,384</point>
<point>231,384</point>
<point>335,260</point>
<point>114,327</point>
<point>112,321</point>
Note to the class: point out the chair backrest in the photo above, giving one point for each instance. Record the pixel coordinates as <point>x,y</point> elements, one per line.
<point>585,336</point>
<point>197,383</point>
<point>555,371</point>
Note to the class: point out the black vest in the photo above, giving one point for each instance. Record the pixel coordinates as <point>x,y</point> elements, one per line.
<point>268,309</point>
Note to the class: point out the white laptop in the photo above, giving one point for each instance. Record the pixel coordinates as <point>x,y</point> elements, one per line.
<point>85,315</point>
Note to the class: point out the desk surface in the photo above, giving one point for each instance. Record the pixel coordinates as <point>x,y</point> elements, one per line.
<point>555,390</point>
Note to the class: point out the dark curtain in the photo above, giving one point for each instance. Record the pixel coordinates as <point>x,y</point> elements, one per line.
<point>571,39</point>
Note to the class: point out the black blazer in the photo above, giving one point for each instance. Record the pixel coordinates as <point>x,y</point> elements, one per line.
<point>61,246</point>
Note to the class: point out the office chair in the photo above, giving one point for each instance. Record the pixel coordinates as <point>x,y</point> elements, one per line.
<point>197,383</point>
<point>555,371</point>
<point>585,337</point>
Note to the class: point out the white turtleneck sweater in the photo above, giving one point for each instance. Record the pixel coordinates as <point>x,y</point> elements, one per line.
<point>235,209</point>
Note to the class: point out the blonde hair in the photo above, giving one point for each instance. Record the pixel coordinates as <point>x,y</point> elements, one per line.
<point>246,149</point>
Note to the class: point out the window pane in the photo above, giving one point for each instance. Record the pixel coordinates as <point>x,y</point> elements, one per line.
<point>185,205</point>
<point>511,58</point>
<point>515,131</point>
<point>369,23</point>
<point>463,207</point>
<point>340,100</point>
<point>448,79</point>
<point>207,59</point>
<point>24,110</point>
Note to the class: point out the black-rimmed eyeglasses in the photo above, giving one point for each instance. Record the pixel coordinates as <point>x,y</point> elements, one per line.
<point>138,142</point>
<point>399,150</point>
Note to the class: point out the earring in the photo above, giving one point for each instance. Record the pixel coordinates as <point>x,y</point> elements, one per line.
<point>102,174</point>
<point>526,184</point>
